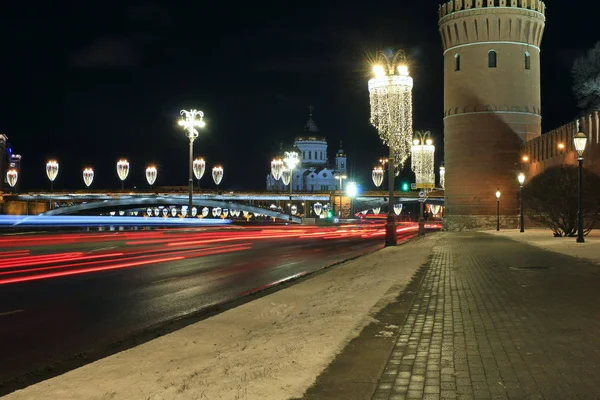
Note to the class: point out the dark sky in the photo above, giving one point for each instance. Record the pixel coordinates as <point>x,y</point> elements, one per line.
<point>88,82</point>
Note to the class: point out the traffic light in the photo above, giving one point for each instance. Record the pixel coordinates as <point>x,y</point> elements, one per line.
<point>329,214</point>
<point>405,187</point>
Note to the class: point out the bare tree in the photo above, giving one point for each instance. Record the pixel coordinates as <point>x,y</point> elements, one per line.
<point>586,79</point>
<point>550,199</point>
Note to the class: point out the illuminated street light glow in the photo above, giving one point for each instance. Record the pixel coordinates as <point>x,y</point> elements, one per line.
<point>52,170</point>
<point>423,152</point>
<point>12,176</point>
<point>286,176</point>
<point>122,171</point>
<point>151,173</point>
<point>199,166</point>
<point>377,176</point>
<point>277,168</point>
<point>189,122</point>
<point>217,174</point>
<point>351,189</point>
<point>88,176</point>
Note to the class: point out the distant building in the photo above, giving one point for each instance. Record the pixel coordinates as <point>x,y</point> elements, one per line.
<point>314,173</point>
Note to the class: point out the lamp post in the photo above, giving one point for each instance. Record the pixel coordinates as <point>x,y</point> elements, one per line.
<point>498,209</point>
<point>190,121</point>
<point>291,160</point>
<point>122,171</point>
<point>422,163</point>
<point>390,94</point>
<point>580,140</point>
<point>521,179</point>
<point>51,172</point>
<point>340,177</point>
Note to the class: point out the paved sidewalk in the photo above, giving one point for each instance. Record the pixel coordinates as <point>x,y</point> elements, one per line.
<point>498,319</point>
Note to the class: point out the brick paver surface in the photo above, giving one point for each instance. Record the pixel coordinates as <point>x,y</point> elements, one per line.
<point>497,319</point>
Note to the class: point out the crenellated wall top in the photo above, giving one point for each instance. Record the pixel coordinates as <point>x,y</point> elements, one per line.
<point>464,5</point>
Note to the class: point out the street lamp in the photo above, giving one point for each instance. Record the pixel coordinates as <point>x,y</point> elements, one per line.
<point>521,179</point>
<point>51,172</point>
<point>199,166</point>
<point>122,171</point>
<point>217,174</point>
<point>377,176</point>
<point>580,140</point>
<point>88,176</point>
<point>422,160</point>
<point>191,120</point>
<point>498,209</point>
<point>443,176</point>
<point>390,93</point>
<point>151,173</point>
<point>12,176</point>
<point>291,160</point>
<point>340,177</point>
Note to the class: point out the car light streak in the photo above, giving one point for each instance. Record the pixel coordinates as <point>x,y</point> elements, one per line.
<point>46,259</point>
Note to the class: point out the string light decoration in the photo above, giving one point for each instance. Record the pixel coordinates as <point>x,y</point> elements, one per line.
<point>165,212</point>
<point>391,105</point>
<point>199,166</point>
<point>52,172</point>
<point>122,170</point>
<point>12,176</point>
<point>435,209</point>
<point>423,152</point>
<point>443,176</point>
<point>277,168</point>
<point>151,173</point>
<point>398,208</point>
<point>318,208</point>
<point>377,176</point>
<point>294,209</point>
<point>205,211</point>
<point>376,210</point>
<point>217,174</point>
<point>88,176</point>
<point>286,176</point>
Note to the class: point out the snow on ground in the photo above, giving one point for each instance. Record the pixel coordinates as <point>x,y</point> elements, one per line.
<point>590,250</point>
<point>271,348</point>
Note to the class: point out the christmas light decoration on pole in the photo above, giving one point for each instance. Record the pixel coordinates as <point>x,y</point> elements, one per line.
<point>277,168</point>
<point>391,114</point>
<point>52,173</point>
<point>217,174</point>
<point>423,152</point>
<point>189,122</point>
<point>88,176</point>
<point>443,176</point>
<point>199,166</point>
<point>12,176</point>
<point>291,160</point>
<point>377,176</point>
<point>122,171</point>
<point>151,173</point>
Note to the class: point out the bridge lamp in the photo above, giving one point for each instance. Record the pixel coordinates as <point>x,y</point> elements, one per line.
<point>12,176</point>
<point>51,172</point>
<point>217,174</point>
<point>390,94</point>
<point>122,171</point>
<point>377,176</point>
<point>199,166</point>
<point>151,173</point>
<point>88,176</point>
<point>291,161</point>
<point>189,122</point>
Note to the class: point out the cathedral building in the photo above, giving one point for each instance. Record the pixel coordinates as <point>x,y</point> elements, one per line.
<point>314,173</point>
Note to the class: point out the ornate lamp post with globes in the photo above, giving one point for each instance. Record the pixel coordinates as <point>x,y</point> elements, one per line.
<point>580,140</point>
<point>190,121</point>
<point>390,95</point>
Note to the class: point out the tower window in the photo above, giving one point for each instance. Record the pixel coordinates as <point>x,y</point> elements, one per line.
<point>457,62</point>
<point>310,155</point>
<point>492,59</point>
<point>527,60</point>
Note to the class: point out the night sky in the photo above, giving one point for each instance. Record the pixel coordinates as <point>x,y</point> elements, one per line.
<point>89,82</point>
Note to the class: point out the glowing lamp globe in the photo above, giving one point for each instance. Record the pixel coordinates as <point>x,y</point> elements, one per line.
<point>205,211</point>
<point>217,174</point>
<point>521,178</point>
<point>88,176</point>
<point>318,208</point>
<point>398,208</point>
<point>276,168</point>
<point>286,176</point>
<point>151,174</point>
<point>199,166</point>
<point>294,209</point>
<point>51,170</point>
<point>376,210</point>
<point>377,176</point>
<point>12,176</point>
<point>122,169</point>
<point>580,140</point>
<point>498,194</point>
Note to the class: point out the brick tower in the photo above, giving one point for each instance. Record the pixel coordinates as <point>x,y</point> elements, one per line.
<point>491,104</point>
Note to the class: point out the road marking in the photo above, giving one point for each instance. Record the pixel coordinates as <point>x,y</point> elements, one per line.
<point>165,279</point>
<point>104,248</point>
<point>4,314</point>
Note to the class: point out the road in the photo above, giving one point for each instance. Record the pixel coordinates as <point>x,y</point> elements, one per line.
<point>72,295</point>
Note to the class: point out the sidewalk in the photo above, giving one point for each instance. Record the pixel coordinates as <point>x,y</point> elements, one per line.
<point>271,348</point>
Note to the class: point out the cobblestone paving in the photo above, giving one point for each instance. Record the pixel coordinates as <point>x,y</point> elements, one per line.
<point>497,319</point>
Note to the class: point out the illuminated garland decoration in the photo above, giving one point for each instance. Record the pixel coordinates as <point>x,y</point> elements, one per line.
<point>122,169</point>
<point>199,166</point>
<point>377,176</point>
<point>52,170</point>
<point>88,176</point>
<point>151,173</point>
<point>423,152</point>
<point>391,105</point>
<point>12,175</point>
<point>443,176</point>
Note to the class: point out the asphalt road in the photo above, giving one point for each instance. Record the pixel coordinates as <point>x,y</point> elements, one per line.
<point>66,296</point>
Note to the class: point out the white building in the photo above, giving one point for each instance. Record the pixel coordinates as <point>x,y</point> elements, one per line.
<point>314,173</point>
